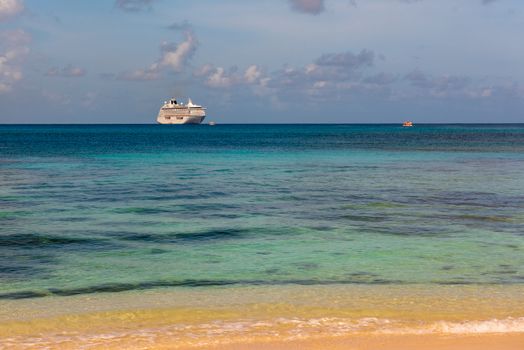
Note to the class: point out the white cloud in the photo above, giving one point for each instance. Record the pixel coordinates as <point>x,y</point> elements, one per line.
<point>134,5</point>
<point>138,75</point>
<point>486,92</point>
<point>175,57</point>
<point>10,8</point>
<point>204,70</point>
<point>219,78</point>
<point>438,86</point>
<point>68,71</point>
<point>502,90</point>
<point>347,59</point>
<point>252,74</point>
<point>336,76</point>
<point>13,48</point>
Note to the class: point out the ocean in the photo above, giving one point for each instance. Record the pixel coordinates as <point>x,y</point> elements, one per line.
<point>118,210</point>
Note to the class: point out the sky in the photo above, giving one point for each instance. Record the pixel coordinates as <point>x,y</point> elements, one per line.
<point>271,61</point>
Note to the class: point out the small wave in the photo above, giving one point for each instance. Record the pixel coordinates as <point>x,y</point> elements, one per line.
<point>365,218</point>
<point>209,235</point>
<point>385,205</point>
<point>11,215</point>
<point>140,210</point>
<point>507,325</point>
<point>29,240</point>
<point>343,326</point>
<point>228,332</point>
<point>487,218</point>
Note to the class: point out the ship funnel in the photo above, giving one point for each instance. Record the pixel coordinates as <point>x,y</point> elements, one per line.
<point>191,104</point>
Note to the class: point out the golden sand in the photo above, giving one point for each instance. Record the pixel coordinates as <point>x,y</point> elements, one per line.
<point>393,342</point>
<point>291,317</point>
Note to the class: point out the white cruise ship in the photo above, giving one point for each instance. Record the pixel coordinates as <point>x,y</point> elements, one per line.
<point>173,112</point>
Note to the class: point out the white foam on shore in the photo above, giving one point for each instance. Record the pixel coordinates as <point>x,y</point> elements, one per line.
<point>508,325</point>
<point>224,332</point>
<point>341,326</point>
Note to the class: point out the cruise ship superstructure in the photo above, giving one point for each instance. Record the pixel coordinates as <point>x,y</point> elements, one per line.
<point>173,112</point>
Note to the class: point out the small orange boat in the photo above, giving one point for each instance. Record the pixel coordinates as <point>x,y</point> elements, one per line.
<point>408,123</point>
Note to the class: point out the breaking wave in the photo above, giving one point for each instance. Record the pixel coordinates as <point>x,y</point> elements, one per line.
<point>228,332</point>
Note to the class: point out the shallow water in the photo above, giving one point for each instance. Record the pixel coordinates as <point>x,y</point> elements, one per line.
<point>88,209</point>
<point>202,317</point>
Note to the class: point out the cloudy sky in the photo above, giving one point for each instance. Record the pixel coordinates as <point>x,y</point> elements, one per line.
<point>275,61</point>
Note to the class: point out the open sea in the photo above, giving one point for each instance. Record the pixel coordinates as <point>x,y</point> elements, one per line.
<point>93,210</point>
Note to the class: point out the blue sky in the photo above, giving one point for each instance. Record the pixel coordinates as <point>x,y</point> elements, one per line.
<point>276,61</point>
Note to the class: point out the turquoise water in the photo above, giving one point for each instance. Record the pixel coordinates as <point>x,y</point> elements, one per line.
<point>88,209</point>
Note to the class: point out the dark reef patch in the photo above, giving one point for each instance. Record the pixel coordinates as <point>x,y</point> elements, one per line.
<point>209,235</point>
<point>32,240</point>
<point>307,266</point>
<point>121,287</point>
<point>144,211</point>
<point>158,251</point>
<point>363,278</point>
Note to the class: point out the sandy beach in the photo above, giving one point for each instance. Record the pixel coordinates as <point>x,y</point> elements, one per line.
<point>396,342</point>
<point>292,317</point>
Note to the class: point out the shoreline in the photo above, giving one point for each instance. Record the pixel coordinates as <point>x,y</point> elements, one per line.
<point>391,342</point>
<point>301,317</point>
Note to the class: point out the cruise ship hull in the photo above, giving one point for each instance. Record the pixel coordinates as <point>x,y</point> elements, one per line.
<point>182,120</point>
<point>173,112</point>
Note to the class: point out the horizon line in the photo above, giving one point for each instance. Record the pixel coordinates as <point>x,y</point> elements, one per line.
<point>305,123</point>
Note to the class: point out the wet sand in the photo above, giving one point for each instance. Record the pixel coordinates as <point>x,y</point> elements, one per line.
<point>394,342</point>
<point>277,317</point>
<point>497,341</point>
